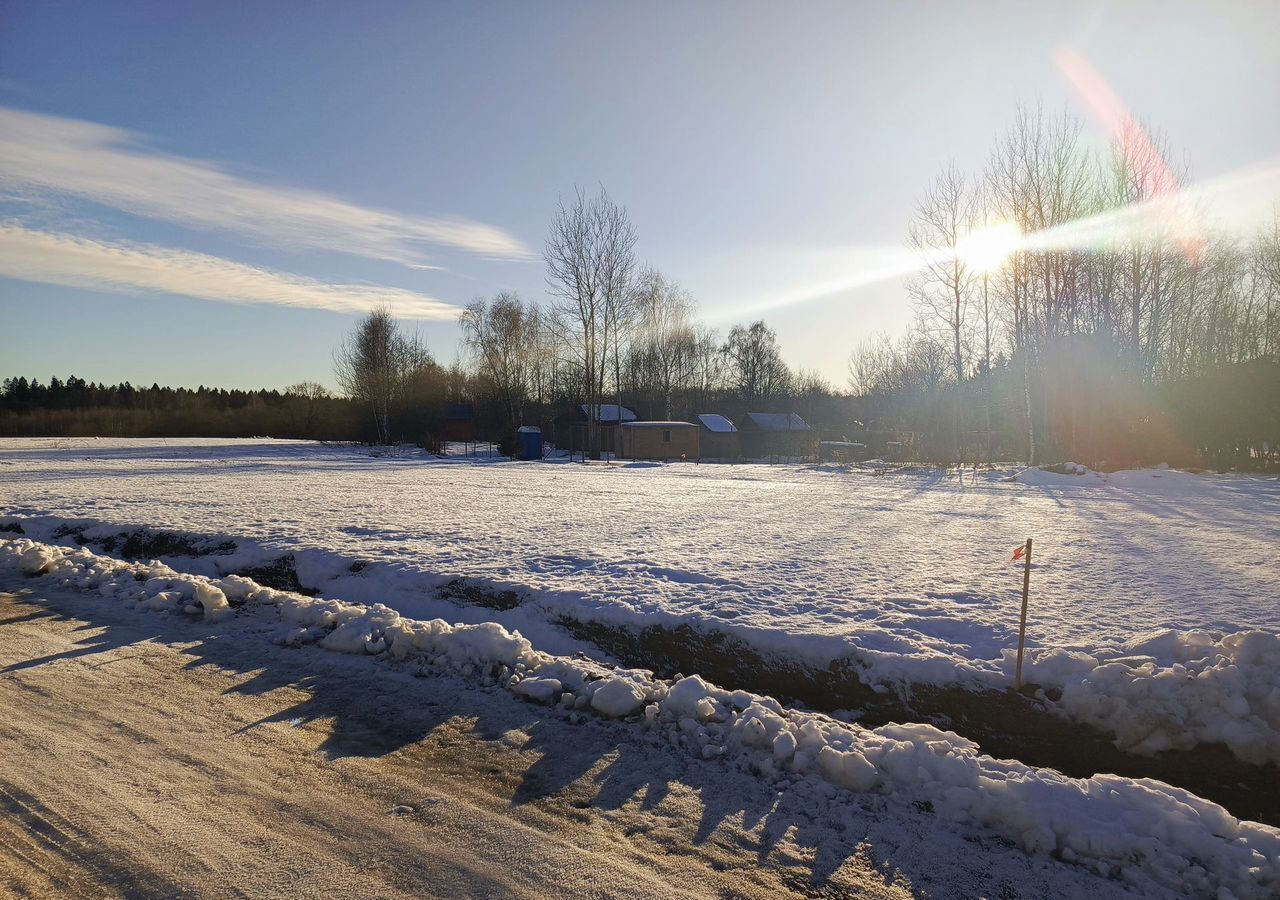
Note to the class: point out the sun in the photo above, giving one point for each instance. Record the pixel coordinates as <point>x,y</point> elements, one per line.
<point>986,248</point>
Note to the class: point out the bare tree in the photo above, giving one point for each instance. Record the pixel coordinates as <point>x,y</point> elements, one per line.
<point>378,365</point>
<point>501,335</point>
<point>590,255</point>
<point>707,373</point>
<point>944,285</point>
<point>307,397</point>
<point>666,338</point>
<point>756,368</point>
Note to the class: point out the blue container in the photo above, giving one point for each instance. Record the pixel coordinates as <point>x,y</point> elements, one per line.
<point>530,438</point>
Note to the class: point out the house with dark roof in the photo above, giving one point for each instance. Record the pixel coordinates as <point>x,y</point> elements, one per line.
<point>718,437</point>
<point>570,428</point>
<point>775,434</point>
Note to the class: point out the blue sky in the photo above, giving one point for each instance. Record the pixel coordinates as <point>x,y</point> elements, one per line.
<point>324,154</point>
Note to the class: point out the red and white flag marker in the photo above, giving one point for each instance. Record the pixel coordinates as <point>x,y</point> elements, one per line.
<point>1022,553</point>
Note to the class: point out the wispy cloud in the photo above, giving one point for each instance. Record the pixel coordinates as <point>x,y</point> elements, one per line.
<point>42,154</point>
<point>65,259</point>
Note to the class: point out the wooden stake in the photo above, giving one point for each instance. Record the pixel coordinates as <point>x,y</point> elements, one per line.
<point>1022,625</point>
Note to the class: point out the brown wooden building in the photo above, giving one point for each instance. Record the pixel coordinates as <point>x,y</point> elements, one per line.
<point>660,440</point>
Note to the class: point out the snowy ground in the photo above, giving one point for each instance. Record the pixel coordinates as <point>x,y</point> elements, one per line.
<point>308,713</point>
<point>912,562</point>
<point>909,571</point>
<point>328,769</point>
<point>260,771</point>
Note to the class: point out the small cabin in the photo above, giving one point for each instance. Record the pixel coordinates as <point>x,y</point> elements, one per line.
<point>659,440</point>
<point>718,437</point>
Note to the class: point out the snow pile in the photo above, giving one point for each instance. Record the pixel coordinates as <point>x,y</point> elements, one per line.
<point>1171,689</point>
<point>1072,474</point>
<point>1165,690</point>
<point>152,586</point>
<point>1142,831</point>
<point>1118,827</point>
<point>35,560</point>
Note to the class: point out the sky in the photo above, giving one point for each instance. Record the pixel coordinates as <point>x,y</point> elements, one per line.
<point>212,193</point>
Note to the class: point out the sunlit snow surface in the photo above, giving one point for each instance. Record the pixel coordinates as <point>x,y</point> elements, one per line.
<point>803,559</point>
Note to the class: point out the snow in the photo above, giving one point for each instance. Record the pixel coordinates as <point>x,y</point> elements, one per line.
<point>35,560</point>
<point>618,697</point>
<point>609,412</point>
<point>1174,689</point>
<point>908,574</point>
<point>1141,831</point>
<point>717,424</point>
<point>617,810</point>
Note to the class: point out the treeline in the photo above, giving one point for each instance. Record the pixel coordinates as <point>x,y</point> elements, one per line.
<point>618,331</point>
<point>614,332</point>
<point>1093,340</point>
<point>77,407</point>
<point>664,362</point>
<point>523,368</point>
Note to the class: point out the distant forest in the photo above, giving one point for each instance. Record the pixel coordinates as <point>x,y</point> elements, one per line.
<point>74,407</point>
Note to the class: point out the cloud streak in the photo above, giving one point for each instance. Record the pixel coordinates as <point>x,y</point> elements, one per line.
<point>41,155</point>
<point>68,260</point>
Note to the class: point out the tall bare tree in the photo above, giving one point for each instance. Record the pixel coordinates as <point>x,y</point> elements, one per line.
<point>501,335</point>
<point>944,285</point>
<point>590,255</point>
<point>665,340</point>
<point>377,364</point>
<point>755,364</point>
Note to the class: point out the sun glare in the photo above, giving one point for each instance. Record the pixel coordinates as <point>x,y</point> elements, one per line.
<point>986,248</point>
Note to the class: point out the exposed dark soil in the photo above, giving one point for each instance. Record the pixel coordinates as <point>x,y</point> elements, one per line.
<point>281,573</point>
<point>143,543</point>
<point>462,591</point>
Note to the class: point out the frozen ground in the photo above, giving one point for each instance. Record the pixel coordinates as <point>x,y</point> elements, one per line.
<point>910,571</point>
<point>204,785</point>
<point>910,562</point>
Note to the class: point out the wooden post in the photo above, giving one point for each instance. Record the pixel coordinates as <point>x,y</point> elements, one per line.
<point>1022,625</point>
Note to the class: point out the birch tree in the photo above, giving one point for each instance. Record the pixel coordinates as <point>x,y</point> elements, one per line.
<point>590,255</point>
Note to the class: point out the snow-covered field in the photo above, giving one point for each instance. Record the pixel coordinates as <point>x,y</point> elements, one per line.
<point>909,571</point>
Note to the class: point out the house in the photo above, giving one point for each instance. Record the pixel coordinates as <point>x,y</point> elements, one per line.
<point>570,428</point>
<point>659,440</point>
<point>775,434</point>
<point>459,423</point>
<point>718,437</point>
